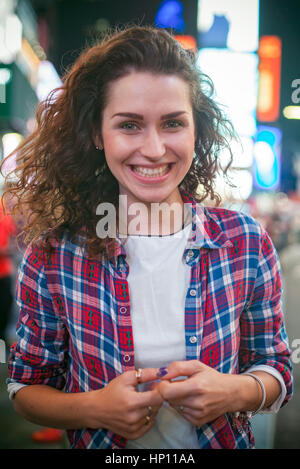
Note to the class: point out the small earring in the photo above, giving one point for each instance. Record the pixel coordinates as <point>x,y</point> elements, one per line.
<point>98,148</point>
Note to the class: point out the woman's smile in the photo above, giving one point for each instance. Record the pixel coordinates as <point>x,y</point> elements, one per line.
<point>151,174</point>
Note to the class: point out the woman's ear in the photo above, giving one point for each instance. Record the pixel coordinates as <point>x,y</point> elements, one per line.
<point>98,142</point>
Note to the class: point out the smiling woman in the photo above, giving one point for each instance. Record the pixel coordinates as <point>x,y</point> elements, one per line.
<point>167,339</point>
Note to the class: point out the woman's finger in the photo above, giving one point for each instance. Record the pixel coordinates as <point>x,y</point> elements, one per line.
<point>178,390</point>
<point>188,412</point>
<point>183,409</point>
<point>193,402</point>
<point>140,376</point>
<point>183,368</point>
<point>149,398</point>
<point>141,427</point>
<point>145,428</point>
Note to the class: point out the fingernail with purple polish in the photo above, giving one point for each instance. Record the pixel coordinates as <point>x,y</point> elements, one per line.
<point>162,372</point>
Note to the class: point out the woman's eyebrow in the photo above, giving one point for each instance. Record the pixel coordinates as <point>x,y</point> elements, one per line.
<point>133,115</point>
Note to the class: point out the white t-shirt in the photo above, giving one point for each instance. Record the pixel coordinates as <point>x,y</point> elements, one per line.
<point>157,272</point>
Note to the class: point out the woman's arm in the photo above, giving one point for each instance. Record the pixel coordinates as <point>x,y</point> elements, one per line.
<point>39,360</point>
<point>250,393</point>
<point>117,407</point>
<point>49,407</point>
<point>263,338</point>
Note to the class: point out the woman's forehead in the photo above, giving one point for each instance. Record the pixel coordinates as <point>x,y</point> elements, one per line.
<point>139,89</point>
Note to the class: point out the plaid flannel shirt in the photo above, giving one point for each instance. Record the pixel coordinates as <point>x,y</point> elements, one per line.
<point>75,333</point>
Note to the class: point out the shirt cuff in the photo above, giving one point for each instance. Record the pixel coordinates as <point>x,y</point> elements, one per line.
<point>274,408</point>
<point>13,388</point>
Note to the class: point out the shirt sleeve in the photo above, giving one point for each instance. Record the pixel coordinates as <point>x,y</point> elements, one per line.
<point>39,355</point>
<point>13,388</point>
<point>263,335</point>
<point>274,408</point>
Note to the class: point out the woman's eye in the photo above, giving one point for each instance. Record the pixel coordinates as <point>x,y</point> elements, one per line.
<point>128,126</point>
<point>174,124</point>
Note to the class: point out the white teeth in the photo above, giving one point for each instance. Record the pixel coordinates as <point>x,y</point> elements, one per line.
<point>151,172</point>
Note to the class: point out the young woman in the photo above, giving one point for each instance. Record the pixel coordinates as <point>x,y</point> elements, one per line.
<point>143,338</point>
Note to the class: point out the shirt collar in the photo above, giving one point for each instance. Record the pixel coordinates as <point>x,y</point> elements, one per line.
<point>205,233</point>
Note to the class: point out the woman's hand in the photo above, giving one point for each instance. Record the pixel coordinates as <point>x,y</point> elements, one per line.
<point>120,408</point>
<point>203,396</point>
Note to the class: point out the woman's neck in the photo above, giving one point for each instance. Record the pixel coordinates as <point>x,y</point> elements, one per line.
<point>152,219</point>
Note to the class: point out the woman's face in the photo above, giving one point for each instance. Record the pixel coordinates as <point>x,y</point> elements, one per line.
<point>148,134</point>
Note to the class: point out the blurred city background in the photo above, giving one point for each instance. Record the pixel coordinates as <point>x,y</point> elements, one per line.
<point>251,51</point>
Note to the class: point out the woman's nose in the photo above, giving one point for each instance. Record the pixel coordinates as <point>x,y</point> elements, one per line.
<point>153,145</point>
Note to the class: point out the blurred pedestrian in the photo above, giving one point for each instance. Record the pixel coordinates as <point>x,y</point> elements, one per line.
<point>186,310</point>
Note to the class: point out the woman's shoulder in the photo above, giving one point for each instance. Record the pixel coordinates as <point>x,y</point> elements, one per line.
<point>51,247</point>
<point>235,222</point>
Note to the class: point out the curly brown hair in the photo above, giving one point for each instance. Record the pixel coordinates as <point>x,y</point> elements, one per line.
<point>62,177</point>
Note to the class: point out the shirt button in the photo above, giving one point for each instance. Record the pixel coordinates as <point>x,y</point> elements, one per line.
<point>193,292</point>
<point>123,310</point>
<point>193,339</point>
<point>126,358</point>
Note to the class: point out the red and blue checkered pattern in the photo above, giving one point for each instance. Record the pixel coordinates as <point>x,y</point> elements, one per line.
<point>74,329</point>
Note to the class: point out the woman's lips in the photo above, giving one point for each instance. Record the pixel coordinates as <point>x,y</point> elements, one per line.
<point>151,178</point>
